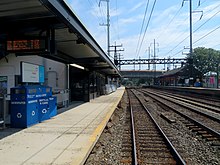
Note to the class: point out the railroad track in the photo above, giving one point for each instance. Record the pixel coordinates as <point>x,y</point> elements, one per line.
<point>213,106</point>
<point>145,142</point>
<point>194,95</point>
<point>198,122</point>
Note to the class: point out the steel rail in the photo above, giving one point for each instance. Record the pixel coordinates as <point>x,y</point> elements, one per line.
<point>191,101</point>
<point>134,154</point>
<point>174,152</point>
<point>185,106</point>
<point>210,130</point>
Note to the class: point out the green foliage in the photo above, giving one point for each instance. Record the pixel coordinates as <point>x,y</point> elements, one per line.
<point>127,82</point>
<point>141,81</point>
<point>205,59</point>
<point>136,81</point>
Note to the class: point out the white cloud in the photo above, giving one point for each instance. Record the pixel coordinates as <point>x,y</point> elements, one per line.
<point>128,20</point>
<point>165,15</point>
<point>170,36</point>
<point>140,4</point>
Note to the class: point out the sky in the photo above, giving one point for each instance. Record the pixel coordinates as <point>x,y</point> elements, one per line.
<point>166,22</point>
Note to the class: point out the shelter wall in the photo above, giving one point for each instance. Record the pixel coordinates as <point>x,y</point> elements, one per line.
<point>11,69</point>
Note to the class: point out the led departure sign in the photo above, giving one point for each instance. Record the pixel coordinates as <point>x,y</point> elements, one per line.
<point>26,45</point>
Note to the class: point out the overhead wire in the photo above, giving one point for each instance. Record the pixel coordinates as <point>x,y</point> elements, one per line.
<point>151,13</point>
<point>115,24</point>
<point>207,34</point>
<point>100,18</point>
<point>142,26</point>
<point>209,12</point>
<point>165,29</point>
<point>181,34</point>
<point>178,45</point>
<point>216,46</point>
<point>208,19</point>
<point>177,53</point>
<point>102,14</point>
<point>170,24</point>
<point>116,4</point>
<point>196,40</point>
<point>196,29</point>
<point>171,40</point>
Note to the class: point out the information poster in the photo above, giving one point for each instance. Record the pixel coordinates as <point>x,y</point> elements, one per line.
<point>32,73</point>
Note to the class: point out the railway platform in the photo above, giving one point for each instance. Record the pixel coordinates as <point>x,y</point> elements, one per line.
<point>67,138</point>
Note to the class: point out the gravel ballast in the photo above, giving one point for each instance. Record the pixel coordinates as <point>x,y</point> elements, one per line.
<point>192,148</point>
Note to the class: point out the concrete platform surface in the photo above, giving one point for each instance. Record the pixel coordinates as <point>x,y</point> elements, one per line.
<point>65,139</point>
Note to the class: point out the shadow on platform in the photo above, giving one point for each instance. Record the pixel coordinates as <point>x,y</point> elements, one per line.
<point>10,131</point>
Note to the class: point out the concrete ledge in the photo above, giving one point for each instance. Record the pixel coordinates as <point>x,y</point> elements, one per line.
<point>67,138</point>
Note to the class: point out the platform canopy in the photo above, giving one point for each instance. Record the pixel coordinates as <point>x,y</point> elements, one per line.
<point>52,21</point>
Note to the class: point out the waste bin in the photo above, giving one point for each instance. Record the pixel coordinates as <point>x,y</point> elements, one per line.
<point>24,106</point>
<point>44,113</point>
<point>53,106</point>
<point>31,104</point>
<point>43,98</point>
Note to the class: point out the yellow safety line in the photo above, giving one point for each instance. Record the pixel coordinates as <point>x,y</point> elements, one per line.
<point>97,132</point>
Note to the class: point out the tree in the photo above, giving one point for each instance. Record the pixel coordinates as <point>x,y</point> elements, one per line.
<point>205,59</point>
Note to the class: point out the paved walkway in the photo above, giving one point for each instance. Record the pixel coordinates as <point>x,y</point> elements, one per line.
<point>65,139</point>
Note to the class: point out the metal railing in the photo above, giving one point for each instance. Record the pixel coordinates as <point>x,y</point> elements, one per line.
<point>62,97</point>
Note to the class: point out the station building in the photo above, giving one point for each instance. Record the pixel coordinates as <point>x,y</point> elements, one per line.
<point>47,34</point>
<point>186,75</point>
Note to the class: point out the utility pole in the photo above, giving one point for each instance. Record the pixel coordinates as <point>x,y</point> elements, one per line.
<point>115,52</point>
<point>191,39</point>
<point>149,54</point>
<point>168,65</point>
<point>119,58</point>
<point>190,27</point>
<point>154,66</point>
<point>139,63</point>
<point>154,52</point>
<point>154,59</point>
<point>164,68</point>
<point>190,24</point>
<point>108,26</point>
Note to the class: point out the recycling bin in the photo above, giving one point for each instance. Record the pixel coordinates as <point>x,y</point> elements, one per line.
<point>43,111</point>
<point>53,106</point>
<point>24,106</point>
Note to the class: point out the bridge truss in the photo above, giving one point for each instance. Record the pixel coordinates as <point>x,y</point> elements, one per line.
<point>151,61</point>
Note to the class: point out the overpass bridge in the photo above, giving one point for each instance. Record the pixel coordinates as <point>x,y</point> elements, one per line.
<point>140,73</point>
<point>151,61</point>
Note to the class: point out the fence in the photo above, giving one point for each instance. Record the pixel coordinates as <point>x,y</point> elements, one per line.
<point>62,97</point>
